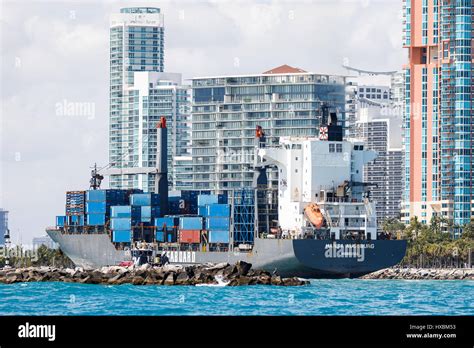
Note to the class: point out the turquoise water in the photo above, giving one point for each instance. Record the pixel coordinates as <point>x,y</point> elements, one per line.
<point>322,297</point>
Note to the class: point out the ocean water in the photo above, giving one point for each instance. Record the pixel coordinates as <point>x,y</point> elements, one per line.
<point>322,297</point>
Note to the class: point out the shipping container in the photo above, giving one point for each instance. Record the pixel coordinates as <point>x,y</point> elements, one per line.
<point>111,196</point>
<point>207,199</point>
<point>218,210</point>
<point>222,199</point>
<point>150,212</point>
<point>121,223</point>
<point>174,205</point>
<point>218,236</point>
<point>75,201</point>
<point>142,199</point>
<point>202,211</point>
<point>190,223</point>
<point>170,222</point>
<point>95,219</point>
<point>217,223</point>
<point>75,210</point>
<point>190,236</point>
<point>96,207</point>
<point>171,237</point>
<point>60,220</point>
<point>160,236</point>
<point>76,220</point>
<point>124,211</point>
<point>121,236</point>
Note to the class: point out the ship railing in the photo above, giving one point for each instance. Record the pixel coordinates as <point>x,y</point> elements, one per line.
<point>76,229</point>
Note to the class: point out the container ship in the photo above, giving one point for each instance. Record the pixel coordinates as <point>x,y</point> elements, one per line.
<point>315,220</point>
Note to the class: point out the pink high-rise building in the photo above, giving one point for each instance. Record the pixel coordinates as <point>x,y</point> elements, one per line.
<point>438,116</point>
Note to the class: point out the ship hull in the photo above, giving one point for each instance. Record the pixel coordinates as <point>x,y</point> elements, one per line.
<point>306,258</point>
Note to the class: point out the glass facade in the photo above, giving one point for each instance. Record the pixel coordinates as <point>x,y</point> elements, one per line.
<point>136,44</point>
<point>441,69</point>
<point>226,111</point>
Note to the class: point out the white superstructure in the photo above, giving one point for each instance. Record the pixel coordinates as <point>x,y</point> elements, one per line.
<point>329,173</point>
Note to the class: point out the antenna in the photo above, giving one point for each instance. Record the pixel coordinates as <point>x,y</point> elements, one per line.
<point>96,178</point>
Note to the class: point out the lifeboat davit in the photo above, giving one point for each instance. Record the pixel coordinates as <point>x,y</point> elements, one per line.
<point>314,215</point>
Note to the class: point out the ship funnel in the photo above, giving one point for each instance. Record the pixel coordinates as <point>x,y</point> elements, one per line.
<point>161,180</point>
<point>260,171</point>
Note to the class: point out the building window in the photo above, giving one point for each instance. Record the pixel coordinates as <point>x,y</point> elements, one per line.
<point>331,148</point>
<point>338,147</point>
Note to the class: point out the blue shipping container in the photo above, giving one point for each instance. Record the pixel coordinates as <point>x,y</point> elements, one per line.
<point>77,220</point>
<point>202,211</point>
<point>170,222</point>
<point>96,195</point>
<point>96,207</point>
<point>218,236</point>
<point>217,223</point>
<point>121,236</point>
<point>120,223</point>
<point>144,199</point>
<point>60,220</point>
<point>218,210</point>
<point>115,197</point>
<point>190,223</point>
<point>207,199</point>
<point>95,219</point>
<point>123,211</point>
<point>223,199</point>
<point>147,211</point>
<point>160,236</point>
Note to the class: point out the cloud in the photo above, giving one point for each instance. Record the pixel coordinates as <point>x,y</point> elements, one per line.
<point>57,52</point>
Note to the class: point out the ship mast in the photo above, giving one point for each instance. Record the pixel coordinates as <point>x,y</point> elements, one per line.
<point>96,178</point>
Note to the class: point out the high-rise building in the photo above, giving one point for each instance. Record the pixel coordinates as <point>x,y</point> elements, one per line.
<point>438,117</point>
<point>44,240</point>
<point>155,95</point>
<point>3,225</point>
<point>136,44</point>
<point>141,93</point>
<point>385,172</point>
<point>284,101</point>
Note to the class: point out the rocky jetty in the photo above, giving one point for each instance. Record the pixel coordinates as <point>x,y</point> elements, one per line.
<point>422,273</point>
<point>218,274</point>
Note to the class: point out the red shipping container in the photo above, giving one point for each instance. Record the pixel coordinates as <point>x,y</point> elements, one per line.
<point>190,236</point>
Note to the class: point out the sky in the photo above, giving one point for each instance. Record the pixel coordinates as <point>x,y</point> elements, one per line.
<point>54,75</point>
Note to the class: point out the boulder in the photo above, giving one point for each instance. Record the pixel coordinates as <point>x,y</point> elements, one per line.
<point>136,280</point>
<point>243,267</point>
<point>182,279</point>
<point>244,280</point>
<point>276,280</point>
<point>169,280</point>
<point>264,279</point>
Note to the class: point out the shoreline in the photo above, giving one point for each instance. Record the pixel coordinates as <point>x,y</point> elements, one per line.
<point>422,274</point>
<point>222,274</point>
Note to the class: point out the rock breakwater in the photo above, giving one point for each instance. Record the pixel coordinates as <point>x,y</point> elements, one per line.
<point>216,274</point>
<point>422,273</point>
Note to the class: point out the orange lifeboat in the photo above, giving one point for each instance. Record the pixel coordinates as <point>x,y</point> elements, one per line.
<point>314,215</point>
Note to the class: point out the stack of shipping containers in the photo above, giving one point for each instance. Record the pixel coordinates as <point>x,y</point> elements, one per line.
<point>98,203</point>
<point>75,205</point>
<point>166,229</point>
<point>136,216</point>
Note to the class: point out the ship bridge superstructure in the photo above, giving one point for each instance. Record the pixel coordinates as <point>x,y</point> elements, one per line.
<point>326,173</point>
